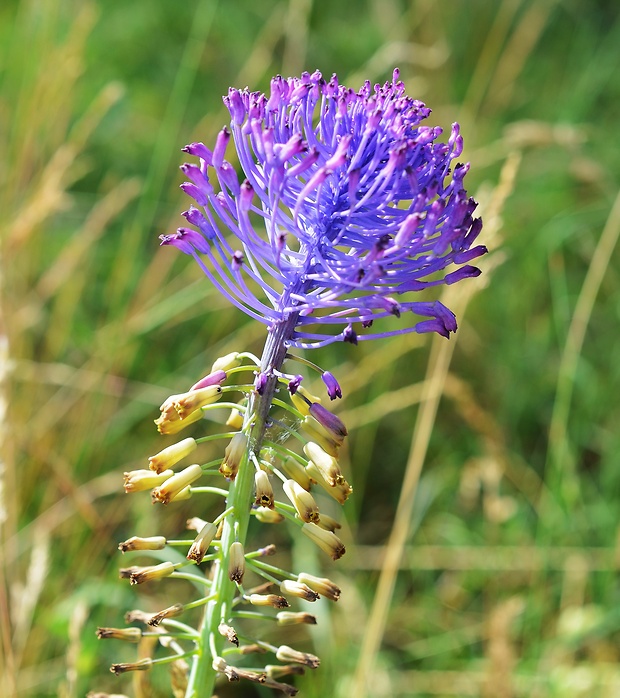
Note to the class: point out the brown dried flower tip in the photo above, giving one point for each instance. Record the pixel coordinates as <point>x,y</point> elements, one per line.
<point>272,600</point>
<point>137,616</point>
<point>141,665</point>
<point>267,550</point>
<point>298,589</point>
<point>126,634</point>
<point>291,618</point>
<point>328,523</point>
<point>236,563</point>
<point>288,654</point>
<point>264,490</point>
<point>126,572</point>
<point>170,612</point>
<point>220,664</point>
<point>304,503</point>
<point>135,543</point>
<point>327,465</point>
<point>202,542</point>
<point>229,633</point>
<point>323,586</point>
<point>233,454</point>
<point>252,649</point>
<point>148,574</point>
<point>340,492</point>
<point>254,676</point>
<point>275,671</point>
<point>326,540</point>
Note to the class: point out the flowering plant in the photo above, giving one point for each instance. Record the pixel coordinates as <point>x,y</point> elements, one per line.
<point>348,208</point>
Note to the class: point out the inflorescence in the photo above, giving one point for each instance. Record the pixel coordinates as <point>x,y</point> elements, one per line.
<point>349,207</point>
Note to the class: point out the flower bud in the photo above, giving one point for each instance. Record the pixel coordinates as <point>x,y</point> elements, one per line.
<point>173,485</point>
<point>333,387</point>
<point>328,523</point>
<point>323,586</point>
<point>185,493</point>
<point>267,550</point>
<point>148,574</point>
<point>298,589</point>
<point>126,634</point>
<point>318,434</point>
<point>264,490</point>
<point>202,542</point>
<point>137,616</point>
<point>235,420</point>
<point>326,540</point>
<point>170,612</point>
<point>195,524</point>
<point>327,464</point>
<point>236,563</point>
<point>233,454</point>
<point>140,480</point>
<point>288,654</point>
<point>296,471</point>
<point>126,572</point>
<point>188,403</point>
<point>169,422</point>
<point>303,501</point>
<point>135,543</point>
<point>290,618</point>
<point>277,670</point>
<point>272,600</point>
<point>339,492</point>
<point>225,363</point>
<point>219,664</point>
<point>302,399</point>
<point>268,516</point>
<point>249,675</point>
<point>141,665</point>
<point>214,378</point>
<point>333,425</point>
<point>172,455</point>
<point>252,649</point>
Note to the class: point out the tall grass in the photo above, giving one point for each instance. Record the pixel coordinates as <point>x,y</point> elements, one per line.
<point>483,552</point>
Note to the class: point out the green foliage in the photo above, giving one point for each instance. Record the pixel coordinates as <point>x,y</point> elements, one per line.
<point>507,582</point>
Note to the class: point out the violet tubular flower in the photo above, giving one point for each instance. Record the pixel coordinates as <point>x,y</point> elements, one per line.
<point>350,205</point>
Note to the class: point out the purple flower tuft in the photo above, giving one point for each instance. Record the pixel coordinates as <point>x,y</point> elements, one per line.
<point>348,200</point>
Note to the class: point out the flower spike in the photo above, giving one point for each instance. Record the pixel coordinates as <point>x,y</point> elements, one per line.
<point>347,206</point>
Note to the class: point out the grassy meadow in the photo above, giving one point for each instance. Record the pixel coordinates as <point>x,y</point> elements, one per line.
<point>483,538</point>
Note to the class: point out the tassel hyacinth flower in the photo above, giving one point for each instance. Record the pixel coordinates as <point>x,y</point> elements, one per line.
<point>348,205</point>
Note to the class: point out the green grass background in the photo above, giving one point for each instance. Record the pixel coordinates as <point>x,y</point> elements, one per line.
<point>508,576</point>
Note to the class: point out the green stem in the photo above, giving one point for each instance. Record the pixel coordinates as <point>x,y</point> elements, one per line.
<point>202,676</point>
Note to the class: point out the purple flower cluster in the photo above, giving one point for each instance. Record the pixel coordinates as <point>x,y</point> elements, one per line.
<point>348,203</point>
